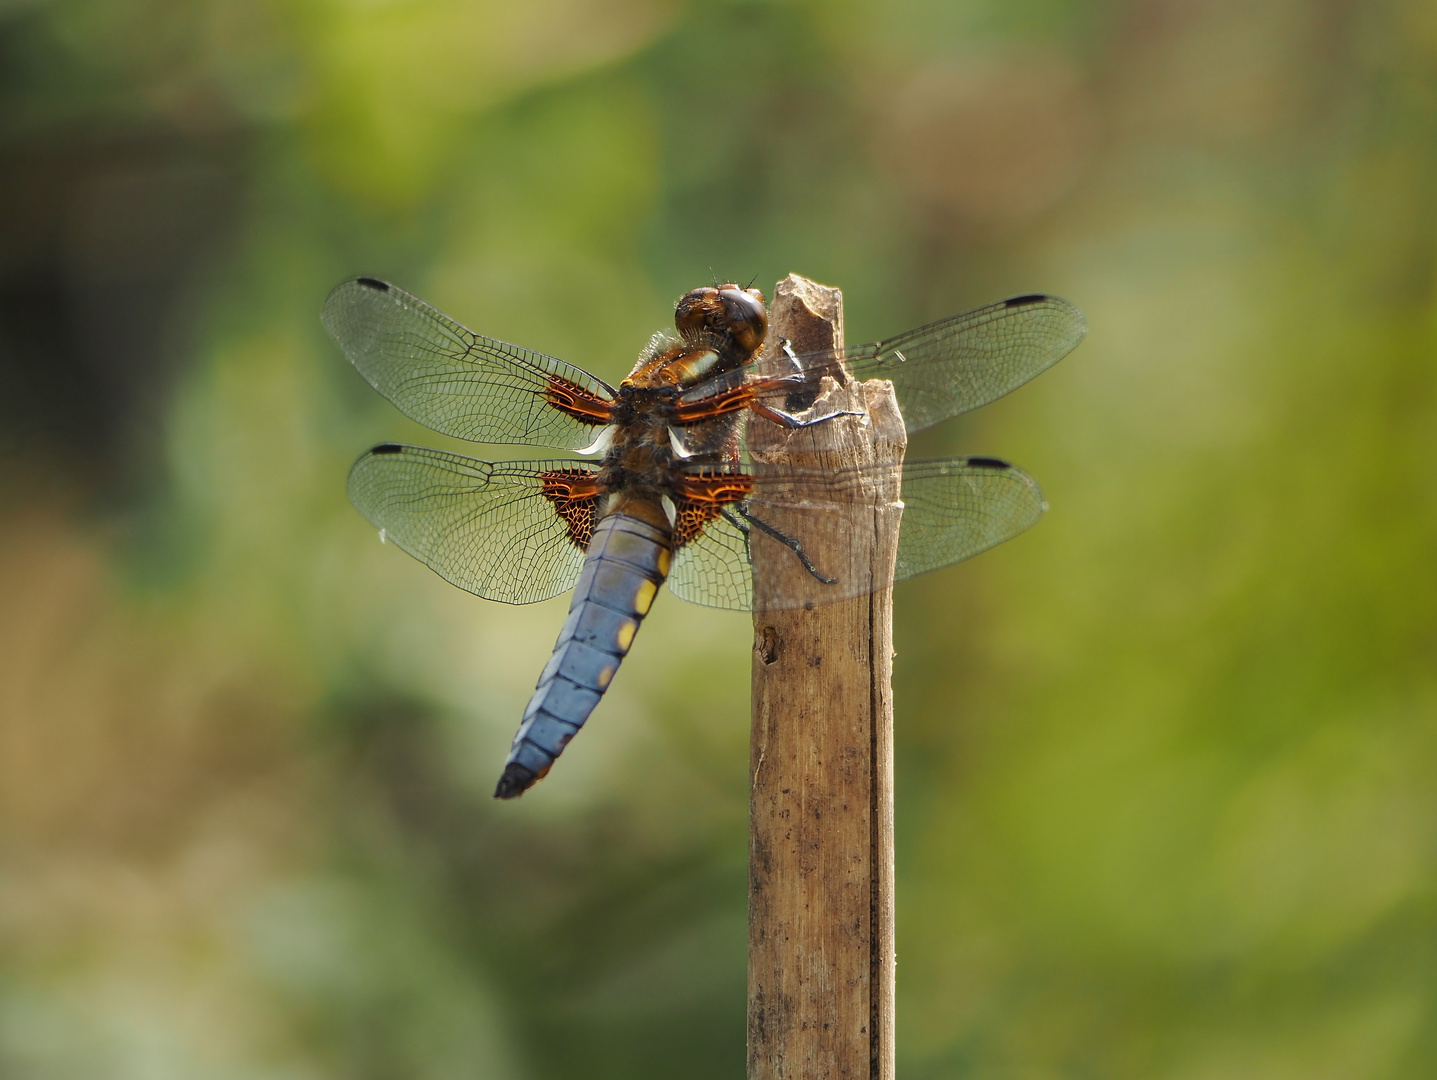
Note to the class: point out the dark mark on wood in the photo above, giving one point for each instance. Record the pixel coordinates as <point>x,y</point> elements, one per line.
<point>768,644</point>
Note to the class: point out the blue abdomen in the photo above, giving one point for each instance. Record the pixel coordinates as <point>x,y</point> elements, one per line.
<point>627,561</point>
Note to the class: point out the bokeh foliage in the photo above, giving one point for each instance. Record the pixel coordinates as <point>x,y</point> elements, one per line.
<point>1164,790</point>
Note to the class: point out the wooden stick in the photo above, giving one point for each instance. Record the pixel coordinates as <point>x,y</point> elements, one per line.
<point>821,957</point>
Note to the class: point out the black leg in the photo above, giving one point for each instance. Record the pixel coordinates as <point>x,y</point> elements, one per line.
<point>787,541</point>
<point>734,520</point>
<point>788,420</point>
<point>804,393</point>
<point>800,398</point>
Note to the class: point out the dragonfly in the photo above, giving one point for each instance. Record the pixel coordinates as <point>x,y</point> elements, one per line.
<point>664,491</point>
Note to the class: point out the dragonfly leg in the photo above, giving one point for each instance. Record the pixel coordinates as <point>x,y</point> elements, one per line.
<point>786,347</point>
<point>738,523</point>
<point>788,420</point>
<point>804,391</point>
<point>789,542</point>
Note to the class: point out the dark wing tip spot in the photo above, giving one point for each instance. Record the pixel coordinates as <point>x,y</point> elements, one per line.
<point>1026,300</point>
<point>387,448</point>
<point>373,283</point>
<point>988,463</point>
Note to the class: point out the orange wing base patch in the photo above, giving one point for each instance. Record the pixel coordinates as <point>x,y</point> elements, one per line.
<point>744,396</point>
<point>740,397</point>
<point>575,495</point>
<point>572,399</point>
<point>702,497</point>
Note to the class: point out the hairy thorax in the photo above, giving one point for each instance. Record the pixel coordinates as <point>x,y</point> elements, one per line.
<point>651,449</point>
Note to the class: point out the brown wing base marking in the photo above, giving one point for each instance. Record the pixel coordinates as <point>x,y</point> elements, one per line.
<point>575,401</point>
<point>744,396</point>
<point>702,497</point>
<point>740,397</point>
<point>575,495</point>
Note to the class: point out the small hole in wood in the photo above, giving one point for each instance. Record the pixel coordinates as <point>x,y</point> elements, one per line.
<point>767,645</point>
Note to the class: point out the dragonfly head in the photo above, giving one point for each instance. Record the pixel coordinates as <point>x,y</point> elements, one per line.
<point>726,309</point>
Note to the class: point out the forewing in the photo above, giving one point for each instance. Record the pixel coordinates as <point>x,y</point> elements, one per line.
<point>484,526</point>
<point>452,380</point>
<point>953,509</point>
<point>954,365</point>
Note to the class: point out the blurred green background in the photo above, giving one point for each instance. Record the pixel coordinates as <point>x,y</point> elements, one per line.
<point>1166,799</point>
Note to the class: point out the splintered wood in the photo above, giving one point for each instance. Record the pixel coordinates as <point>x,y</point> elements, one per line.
<point>821,959</point>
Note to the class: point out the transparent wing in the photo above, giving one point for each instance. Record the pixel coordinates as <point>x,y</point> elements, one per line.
<point>714,570</point>
<point>960,363</point>
<point>484,526</point>
<point>452,380</point>
<point>946,368</point>
<point>953,509</point>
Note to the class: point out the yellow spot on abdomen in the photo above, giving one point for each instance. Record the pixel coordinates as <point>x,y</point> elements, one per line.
<point>644,597</point>
<point>626,635</point>
<point>665,558</point>
<point>605,674</point>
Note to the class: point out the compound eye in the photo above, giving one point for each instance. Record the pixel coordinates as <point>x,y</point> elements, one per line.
<point>692,312</point>
<point>746,319</point>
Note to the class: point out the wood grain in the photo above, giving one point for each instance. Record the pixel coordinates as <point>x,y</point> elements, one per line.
<point>821,957</point>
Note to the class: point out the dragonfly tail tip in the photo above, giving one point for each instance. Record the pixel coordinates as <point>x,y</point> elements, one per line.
<point>515,781</point>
